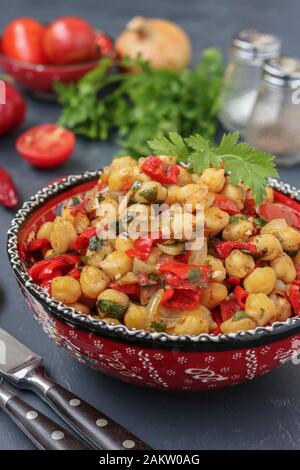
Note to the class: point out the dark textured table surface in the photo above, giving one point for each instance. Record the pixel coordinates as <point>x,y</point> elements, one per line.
<point>262,414</point>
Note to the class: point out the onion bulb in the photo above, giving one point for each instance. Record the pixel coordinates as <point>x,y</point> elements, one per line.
<point>164,44</point>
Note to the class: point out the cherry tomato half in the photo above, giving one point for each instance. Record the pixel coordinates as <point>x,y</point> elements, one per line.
<point>46,146</point>
<point>12,113</point>
<point>23,40</point>
<point>69,40</point>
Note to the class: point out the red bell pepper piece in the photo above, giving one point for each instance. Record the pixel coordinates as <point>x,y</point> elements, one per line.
<point>47,285</point>
<point>75,273</point>
<point>249,204</point>
<point>8,193</point>
<point>38,244</point>
<point>183,258</point>
<point>241,296</point>
<point>83,240</point>
<point>181,299</point>
<point>294,295</point>
<point>47,274</point>
<point>287,201</point>
<point>129,289</point>
<point>277,210</point>
<point>184,276</point>
<point>228,308</point>
<point>235,281</point>
<point>226,205</point>
<point>78,208</point>
<point>160,171</point>
<point>225,248</point>
<point>142,246</point>
<point>41,270</point>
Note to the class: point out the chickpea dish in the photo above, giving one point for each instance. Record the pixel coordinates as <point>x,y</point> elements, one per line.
<point>245,273</point>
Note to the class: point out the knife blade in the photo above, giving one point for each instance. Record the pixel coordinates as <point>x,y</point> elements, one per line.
<point>24,369</point>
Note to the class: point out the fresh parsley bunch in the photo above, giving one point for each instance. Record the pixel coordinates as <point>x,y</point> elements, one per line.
<point>147,104</point>
<point>243,163</point>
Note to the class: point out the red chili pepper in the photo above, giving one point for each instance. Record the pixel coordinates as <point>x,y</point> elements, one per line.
<point>294,295</point>
<point>180,299</point>
<point>8,193</point>
<point>225,248</point>
<point>228,308</point>
<point>75,273</point>
<point>160,171</point>
<point>83,240</point>
<point>142,246</point>
<point>240,295</point>
<point>184,276</point>
<point>37,245</point>
<point>235,281</point>
<point>226,205</point>
<point>129,289</point>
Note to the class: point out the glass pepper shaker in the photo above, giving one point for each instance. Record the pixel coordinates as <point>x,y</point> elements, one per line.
<point>274,122</point>
<point>248,51</point>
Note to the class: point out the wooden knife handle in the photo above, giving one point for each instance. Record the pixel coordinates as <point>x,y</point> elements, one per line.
<point>41,430</point>
<point>98,429</point>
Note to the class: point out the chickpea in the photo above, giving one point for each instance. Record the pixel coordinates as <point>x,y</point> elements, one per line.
<point>150,192</point>
<point>112,303</point>
<point>274,226</point>
<point>239,264</point>
<point>111,321</point>
<point>194,194</point>
<point>289,239</point>
<point>66,289</point>
<point>80,308</point>
<point>95,257</point>
<point>44,231</point>
<point>79,220</point>
<point>121,177</point>
<point>125,161</point>
<point>169,159</point>
<point>284,268</point>
<point>215,220</point>
<point>123,244</point>
<point>261,280</point>
<point>116,265</point>
<point>108,208</point>
<point>184,176</point>
<point>269,245</point>
<point>93,281</point>
<point>217,268</point>
<point>172,195</point>
<point>234,193</point>
<point>234,326</point>
<point>260,308</point>
<point>192,323</point>
<point>63,235</point>
<point>238,229</point>
<point>214,179</point>
<point>182,225</point>
<point>135,317</point>
<point>213,295</point>
<point>284,310</point>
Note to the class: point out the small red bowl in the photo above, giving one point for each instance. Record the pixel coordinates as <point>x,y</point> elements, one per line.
<point>39,78</point>
<point>149,359</point>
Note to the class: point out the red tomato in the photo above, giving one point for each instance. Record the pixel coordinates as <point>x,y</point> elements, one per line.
<point>46,146</point>
<point>12,113</point>
<point>276,210</point>
<point>69,40</point>
<point>23,40</point>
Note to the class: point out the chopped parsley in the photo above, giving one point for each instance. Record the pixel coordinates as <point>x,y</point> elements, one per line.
<point>161,327</point>
<point>75,201</point>
<point>234,219</point>
<point>112,309</point>
<point>260,222</point>
<point>239,315</point>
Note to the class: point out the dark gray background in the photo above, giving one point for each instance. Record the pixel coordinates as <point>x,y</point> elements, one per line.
<point>263,414</point>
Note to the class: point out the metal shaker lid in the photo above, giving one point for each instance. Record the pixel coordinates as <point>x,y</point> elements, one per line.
<point>282,71</point>
<point>252,44</point>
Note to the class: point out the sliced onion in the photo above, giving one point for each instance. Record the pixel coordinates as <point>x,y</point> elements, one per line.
<point>140,266</point>
<point>280,285</point>
<point>152,309</point>
<point>169,316</point>
<point>129,278</point>
<point>173,250</point>
<point>199,256</point>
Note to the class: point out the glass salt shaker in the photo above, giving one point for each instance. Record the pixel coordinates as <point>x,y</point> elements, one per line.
<point>274,122</point>
<point>248,51</point>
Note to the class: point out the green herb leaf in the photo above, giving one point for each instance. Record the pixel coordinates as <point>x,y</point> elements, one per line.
<point>95,243</point>
<point>75,201</point>
<point>111,309</point>
<point>85,259</point>
<point>234,219</point>
<point>150,194</point>
<point>239,315</point>
<point>160,327</point>
<point>194,274</point>
<point>260,222</point>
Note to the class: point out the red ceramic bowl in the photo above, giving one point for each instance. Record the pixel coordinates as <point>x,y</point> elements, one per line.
<point>149,359</point>
<point>39,78</point>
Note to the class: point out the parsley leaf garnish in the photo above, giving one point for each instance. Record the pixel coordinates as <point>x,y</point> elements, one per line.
<point>243,163</point>
<point>239,315</point>
<point>161,327</point>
